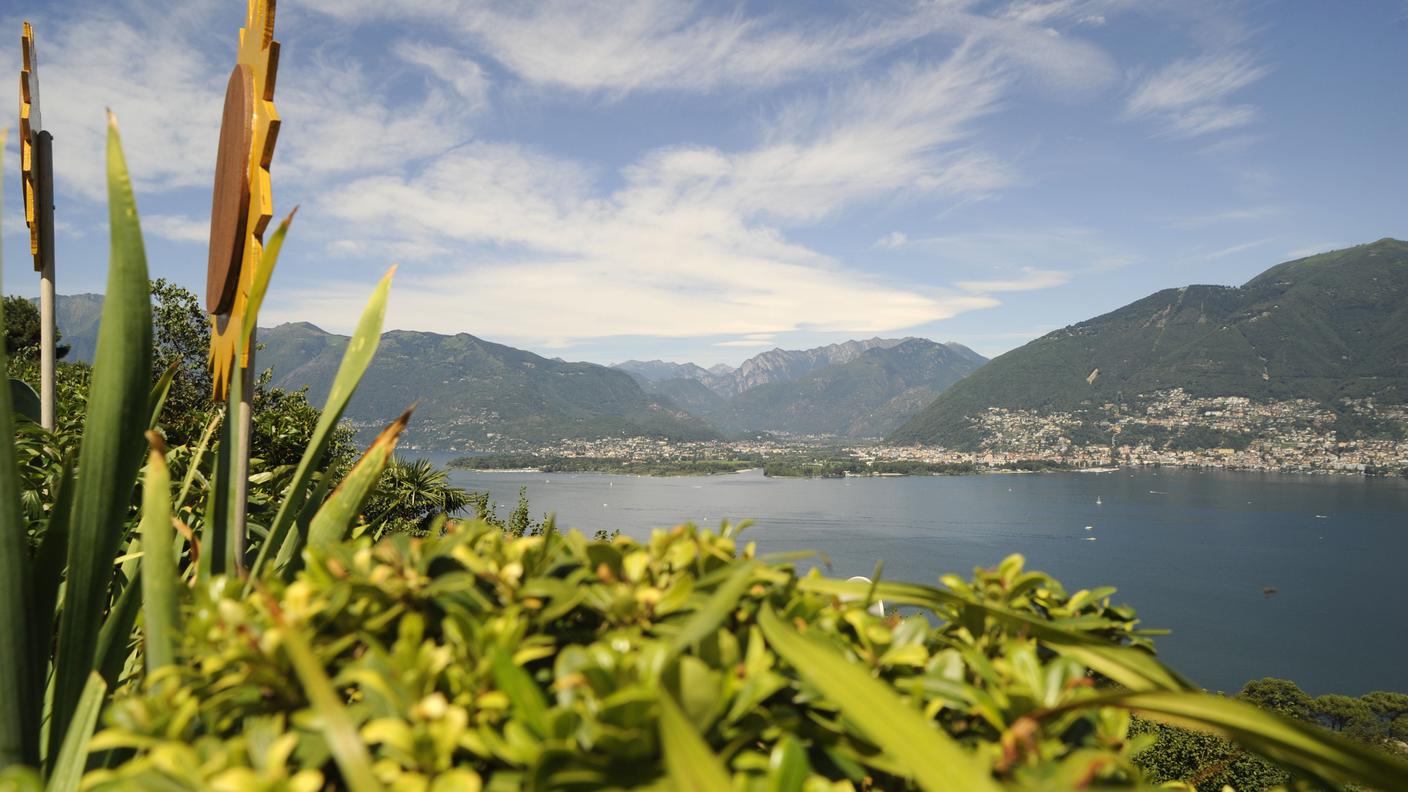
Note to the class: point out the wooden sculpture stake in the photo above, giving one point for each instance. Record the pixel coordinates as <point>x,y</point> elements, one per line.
<point>241,208</point>
<point>37,175</point>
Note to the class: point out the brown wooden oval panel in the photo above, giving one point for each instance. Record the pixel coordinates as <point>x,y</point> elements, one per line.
<point>230,204</point>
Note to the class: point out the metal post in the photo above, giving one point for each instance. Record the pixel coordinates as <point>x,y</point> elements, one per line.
<point>44,215</point>
<point>240,467</point>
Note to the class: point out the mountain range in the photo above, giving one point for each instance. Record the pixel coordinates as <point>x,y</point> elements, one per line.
<point>856,389</point>
<point>1324,328</point>
<point>775,365</point>
<point>474,393</point>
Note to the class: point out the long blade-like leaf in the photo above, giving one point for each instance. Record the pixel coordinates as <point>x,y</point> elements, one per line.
<point>197,457</point>
<point>339,731</point>
<point>1133,668</point>
<point>690,763</point>
<point>115,642</point>
<point>355,360</point>
<point>259,284</point>
<point>159,573</point>
<point>333,521</point>
<point>160,391</point>
<point>49,571</point>
<point>1314,751</point>
<point>112,439</point>
<point>291,554</point>
<point>73,755</point>
<point>714,611</point>
<point>932,757</point>
<point>19,714</point>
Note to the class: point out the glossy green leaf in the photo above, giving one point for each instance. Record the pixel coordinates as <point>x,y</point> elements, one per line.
<point>355,360</point>
<point>24,400</point>
<point>110,454</point>
<point>523,693</point>
<point>787,767</point>
<point>159,573</point>
<point>19,707</point>
<point>932,758</point>
<point>73,754</point>
<point>689,762</point>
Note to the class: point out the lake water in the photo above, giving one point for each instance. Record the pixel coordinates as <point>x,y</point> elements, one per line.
<point>1191,551</point>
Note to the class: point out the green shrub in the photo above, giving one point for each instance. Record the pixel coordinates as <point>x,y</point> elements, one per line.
<point>542,662</point>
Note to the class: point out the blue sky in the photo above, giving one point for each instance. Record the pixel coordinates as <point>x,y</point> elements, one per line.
<point>702,181</point>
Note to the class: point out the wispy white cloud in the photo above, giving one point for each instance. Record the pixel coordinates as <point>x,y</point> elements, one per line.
<point>618,47</point>
<point>447,64</point>
<point>1238,248</point>
<point>554,263</point>
<point>1031,279</point>
<point>892,241</point>
<point>1189,97</point>
<point>691,243</point>
<point>165,93</point>
<point>1240,214</point>
<point>1070,249</point>
<point>753,341</point>
<point>177,228</point>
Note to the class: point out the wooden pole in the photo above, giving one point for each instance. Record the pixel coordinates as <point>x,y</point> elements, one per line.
<point>240,459</point>
<point>44,211</point>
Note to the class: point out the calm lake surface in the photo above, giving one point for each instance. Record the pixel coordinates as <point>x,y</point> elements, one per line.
<point>1190,550</point>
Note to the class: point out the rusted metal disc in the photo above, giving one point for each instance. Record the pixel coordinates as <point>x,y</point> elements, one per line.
<point>229,206</point>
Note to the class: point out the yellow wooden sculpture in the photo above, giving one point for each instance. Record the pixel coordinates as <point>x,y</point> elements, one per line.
<point>242,204</point>
<point>29,126</point>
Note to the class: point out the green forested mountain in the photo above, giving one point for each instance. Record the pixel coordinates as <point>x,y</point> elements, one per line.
<point>1327,327</point>
<point>866,397</point>
<point>687,393</point>
<point>472,391</point>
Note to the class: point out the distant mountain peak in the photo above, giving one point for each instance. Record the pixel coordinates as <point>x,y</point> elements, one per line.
<point>1326,327</point>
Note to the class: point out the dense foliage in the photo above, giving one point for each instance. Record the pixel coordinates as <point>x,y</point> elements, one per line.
<point>1211,762</point>
<point>544,662</point>
<point>22,331</point>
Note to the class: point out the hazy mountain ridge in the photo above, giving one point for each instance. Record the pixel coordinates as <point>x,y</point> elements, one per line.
<point>867,396</point>
<point>472,392</point>
<point>772,366</point>
<point>1322,328</point>
<point>77,317</point>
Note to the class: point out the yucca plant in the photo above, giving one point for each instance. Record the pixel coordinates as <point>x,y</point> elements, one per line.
<point>69,602</point>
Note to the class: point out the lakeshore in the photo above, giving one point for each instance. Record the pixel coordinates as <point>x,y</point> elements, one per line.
<point>815,458</point>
